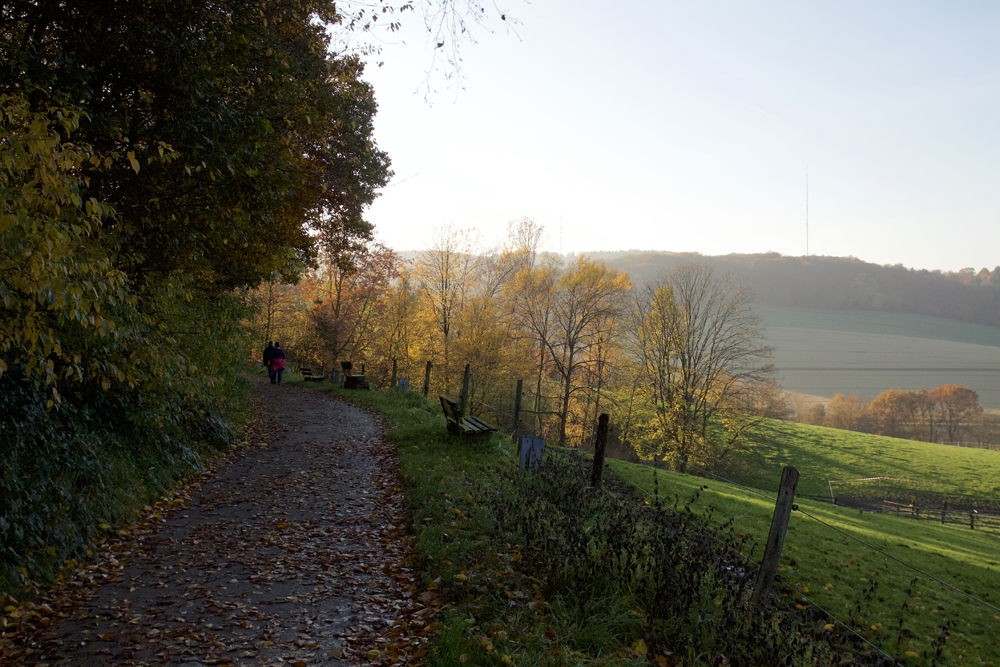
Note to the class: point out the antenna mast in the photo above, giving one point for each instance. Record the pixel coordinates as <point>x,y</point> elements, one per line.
<point>560,235</point>
<point>807,210</point>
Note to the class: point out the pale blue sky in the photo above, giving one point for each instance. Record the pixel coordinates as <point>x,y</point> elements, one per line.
<point>688,126</point>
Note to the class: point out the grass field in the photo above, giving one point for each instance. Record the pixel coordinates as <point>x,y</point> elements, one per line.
<point>856,565</point>
<point>837,572</point>
<point>826,352</point>
<point>833,569</point>
<point>821,454</point>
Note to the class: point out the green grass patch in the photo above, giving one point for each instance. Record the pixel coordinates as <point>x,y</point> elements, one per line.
<point>541,570</point>
<point>822,454</point>
<point>905,610</point>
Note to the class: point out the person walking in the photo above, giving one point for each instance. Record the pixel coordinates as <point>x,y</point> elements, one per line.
<point>277,362</point>
<point>267,357</point>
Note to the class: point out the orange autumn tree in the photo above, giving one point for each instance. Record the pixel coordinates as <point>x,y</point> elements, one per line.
<point>348,293</point>
<point>587,299</point>
<point>848,413</point>
<point>956,406</point>
<point>892,412</point>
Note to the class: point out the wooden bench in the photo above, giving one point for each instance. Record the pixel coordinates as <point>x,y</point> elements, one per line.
<point>307,375</point>
<point>459,424</point>
<point>352,381</point>
<point>355,382</point>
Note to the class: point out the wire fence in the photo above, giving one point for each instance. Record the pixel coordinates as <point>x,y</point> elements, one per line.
<point>755,566</point>
<point>942,514</point>
<point>501,411</point>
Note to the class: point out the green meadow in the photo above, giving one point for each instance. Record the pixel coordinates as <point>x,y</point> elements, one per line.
<point>892,580</point>
<point>836,556</point>
<point>822,454</point>
<point>826,352</point>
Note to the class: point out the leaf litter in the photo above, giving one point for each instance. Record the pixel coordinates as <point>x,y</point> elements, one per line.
<point>292,548</point>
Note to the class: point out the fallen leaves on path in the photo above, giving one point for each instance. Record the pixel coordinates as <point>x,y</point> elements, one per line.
<point>292,548</point>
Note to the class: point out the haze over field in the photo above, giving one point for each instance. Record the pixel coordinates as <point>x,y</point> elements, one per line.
<point>837,352</point>
<point>690,127</point>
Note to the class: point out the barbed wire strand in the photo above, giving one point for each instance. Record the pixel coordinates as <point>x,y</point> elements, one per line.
<point>722,479</point>
<point>678,514</point>
<point>493,408</point>
<point>901,562</point>
<point>672,458</point>
<point>835,619</point>
<point>843,532</point>
<point>750,561</point>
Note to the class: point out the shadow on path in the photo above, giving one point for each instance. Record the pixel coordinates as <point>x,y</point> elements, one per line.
<point>290,549</point>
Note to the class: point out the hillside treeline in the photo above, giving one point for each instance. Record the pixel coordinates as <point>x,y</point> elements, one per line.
<point>679,363</point>
<point>949,414</point>
<point>156,159</point>
<point>842,283</point>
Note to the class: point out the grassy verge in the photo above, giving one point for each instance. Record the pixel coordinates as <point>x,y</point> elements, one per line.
<point>907,611</point>
<point>541,570</point>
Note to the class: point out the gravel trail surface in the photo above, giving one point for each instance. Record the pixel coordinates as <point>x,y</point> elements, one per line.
<point>291,549</point>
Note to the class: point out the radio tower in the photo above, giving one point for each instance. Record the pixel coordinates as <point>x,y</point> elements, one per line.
<point>807,210</point>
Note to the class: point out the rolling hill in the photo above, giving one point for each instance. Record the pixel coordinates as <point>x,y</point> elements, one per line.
<point>840,325</point>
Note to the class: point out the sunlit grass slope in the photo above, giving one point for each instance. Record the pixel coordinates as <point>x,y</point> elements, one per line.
<point>826,564</point>
<point>822,454</point>
<point>865,584</point>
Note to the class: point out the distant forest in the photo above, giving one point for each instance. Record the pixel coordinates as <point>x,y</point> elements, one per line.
<point>838,283</point>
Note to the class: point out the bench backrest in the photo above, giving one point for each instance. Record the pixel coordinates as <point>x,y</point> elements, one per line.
<point>450,408</point>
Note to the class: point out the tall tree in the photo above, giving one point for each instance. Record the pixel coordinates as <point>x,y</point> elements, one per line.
<point>956,405</point>
<point>588,297</point>
<point>533,295</point>
<point>349,292</point>
<point>446,274</point>
<point>700,350</point>
<point>892,412</point>
<point>218,135</point>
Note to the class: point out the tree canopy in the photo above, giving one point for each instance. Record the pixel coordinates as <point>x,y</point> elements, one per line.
<point>174,151</point>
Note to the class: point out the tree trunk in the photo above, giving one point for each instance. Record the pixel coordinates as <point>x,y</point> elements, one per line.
<point>538,390</point>
<point>567,389</point>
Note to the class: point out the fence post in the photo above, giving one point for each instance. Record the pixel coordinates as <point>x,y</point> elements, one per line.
<point>776,537</point>
<point>517,416</point>
<point>944,512</point>
<point>427,378</point>
<point>392,382</point>
<point>465,392</point>
<point>972,519</point>
<point>599,446</point>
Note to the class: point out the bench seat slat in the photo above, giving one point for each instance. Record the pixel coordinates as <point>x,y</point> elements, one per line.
<point>467,425</point>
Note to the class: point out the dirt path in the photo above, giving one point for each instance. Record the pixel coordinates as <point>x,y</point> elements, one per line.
<point>291,550</point>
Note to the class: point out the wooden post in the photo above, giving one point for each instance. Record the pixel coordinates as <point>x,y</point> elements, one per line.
<point>517,416</point>
<point>972,519</point>
<point>599,447</point>
<point>392,382</point>
<point>465,392</point>
<point>776,537</point>
<point>944,512</point>
<point>427,378</point>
